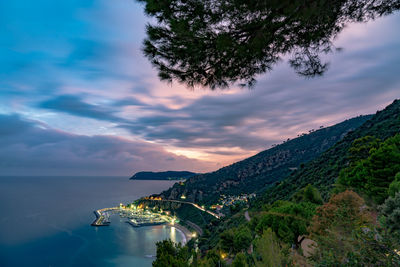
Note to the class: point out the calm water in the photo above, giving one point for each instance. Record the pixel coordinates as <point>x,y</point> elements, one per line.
<point>45,221</point>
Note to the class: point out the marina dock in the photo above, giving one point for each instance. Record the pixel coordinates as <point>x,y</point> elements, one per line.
<point>102,216</point>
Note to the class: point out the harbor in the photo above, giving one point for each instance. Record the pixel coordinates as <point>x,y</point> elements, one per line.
<point>136,216</point>
<point>103,216</point>
<point>139,216</point>
<point>146,218</point>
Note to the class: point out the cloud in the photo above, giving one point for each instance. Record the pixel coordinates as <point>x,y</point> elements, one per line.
<point>361,79</point>
<point>130,101</point>
<point>31,148</point>
<point>74,105</point>
<point>78,68</point>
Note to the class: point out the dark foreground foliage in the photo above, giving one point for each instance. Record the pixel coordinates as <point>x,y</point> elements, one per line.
<point>215,43</point>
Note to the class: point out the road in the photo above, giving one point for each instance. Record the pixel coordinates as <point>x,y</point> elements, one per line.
<point>190,203</point>
<point>195,227</point>
<point>246,215</point>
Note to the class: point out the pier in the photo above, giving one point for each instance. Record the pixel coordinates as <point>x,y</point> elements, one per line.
<point>101,216</point>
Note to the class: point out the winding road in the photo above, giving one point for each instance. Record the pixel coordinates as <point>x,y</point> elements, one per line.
<point>190,203</point>
<point>246,215</point>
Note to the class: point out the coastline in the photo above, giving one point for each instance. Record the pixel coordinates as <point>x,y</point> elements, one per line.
<point>100,221</point>
<point>76,213</point>
<point>186,234</point>
<point>103,220</point>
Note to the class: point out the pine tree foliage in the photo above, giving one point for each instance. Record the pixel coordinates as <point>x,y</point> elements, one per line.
<point>171,254</point>
<point>268,251</point>
<point>215,43</point>
<point>288,220</point>
<point>394,187</point>
<point>324,171</point>
<point>308,194</point>
<point>374,175</point>
<point>391,211</point>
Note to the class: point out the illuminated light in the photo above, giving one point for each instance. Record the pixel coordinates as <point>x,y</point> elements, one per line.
<point>194,235</point>
<point>183,197</point>
<point>397,252</point>
<point>223,255</point>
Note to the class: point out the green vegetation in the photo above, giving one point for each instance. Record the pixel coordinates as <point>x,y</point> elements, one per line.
<point>255,174</point>
<point>240,260</point>
<point>185,212</point>
<point>354,222</point>
<point>346,235</point>
<point>323,171</point>
<point>394,187</point>
<point>171,254</point>
<point>374,174</point>
<point>211,259</point>
<point>358,152</point>
<point>288,220</point>
<point>268,251</point>
<point>308,194</point>
<point>236,239</point>
<point>390,211</point>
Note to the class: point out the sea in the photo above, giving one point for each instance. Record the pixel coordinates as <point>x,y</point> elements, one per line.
<point>45,221</point>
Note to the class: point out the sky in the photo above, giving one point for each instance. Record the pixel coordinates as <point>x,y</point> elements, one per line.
<point>77,97</point>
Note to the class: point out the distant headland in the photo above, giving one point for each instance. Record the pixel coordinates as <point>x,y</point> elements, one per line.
<point>167,175</point>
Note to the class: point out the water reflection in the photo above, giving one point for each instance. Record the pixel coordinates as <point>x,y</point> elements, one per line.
<point>52,226</point>
<point>173,234</point>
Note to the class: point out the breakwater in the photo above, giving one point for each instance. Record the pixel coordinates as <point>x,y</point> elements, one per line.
<point>102,216</point>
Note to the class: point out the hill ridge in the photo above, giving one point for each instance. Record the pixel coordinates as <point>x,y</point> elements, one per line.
<point>164,175</point>
<point>255,173</point>
<point>323,171</point>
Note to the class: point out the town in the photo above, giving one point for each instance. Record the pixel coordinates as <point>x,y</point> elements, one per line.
<point>230,201</point>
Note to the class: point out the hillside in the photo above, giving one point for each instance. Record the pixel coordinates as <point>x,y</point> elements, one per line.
<point>167,175</point>
<point>256,173</point>
<point>342,226</point>
<point>323,171</point>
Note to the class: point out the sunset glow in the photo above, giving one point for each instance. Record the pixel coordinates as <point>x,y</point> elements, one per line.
<point>92,97</point>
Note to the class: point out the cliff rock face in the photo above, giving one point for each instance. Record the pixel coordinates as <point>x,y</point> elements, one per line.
<point>263,170</point>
